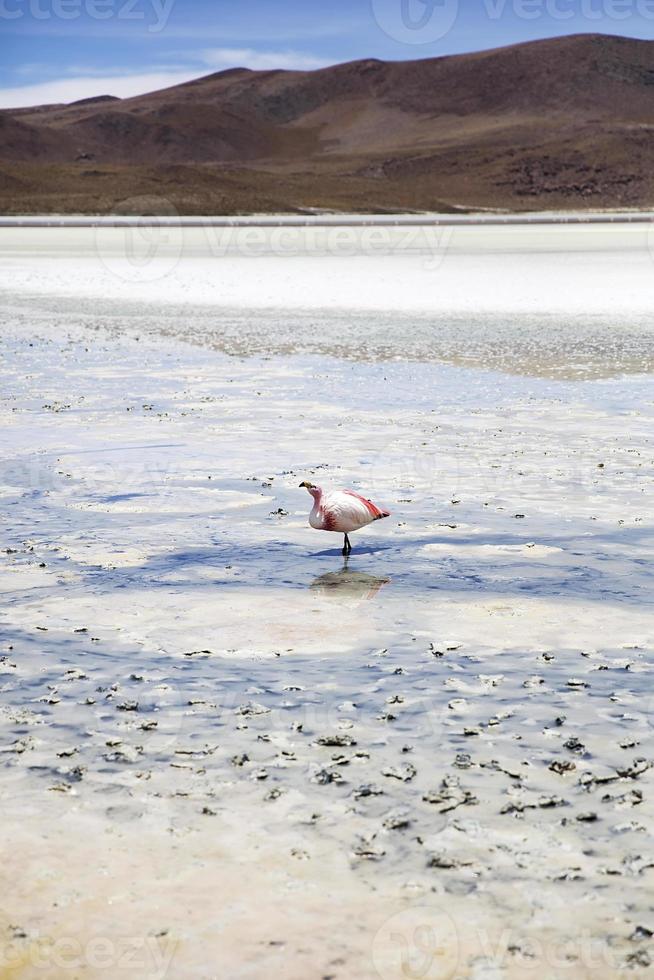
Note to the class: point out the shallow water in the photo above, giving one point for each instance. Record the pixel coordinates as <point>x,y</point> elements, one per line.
<point>462,710</point>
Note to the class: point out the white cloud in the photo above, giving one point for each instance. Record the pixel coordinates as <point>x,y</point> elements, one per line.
<point>219,58</point>
<point>84,87</point>
<point>123,84</point>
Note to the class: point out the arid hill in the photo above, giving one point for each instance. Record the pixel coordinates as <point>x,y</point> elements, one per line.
<point>562,123</point>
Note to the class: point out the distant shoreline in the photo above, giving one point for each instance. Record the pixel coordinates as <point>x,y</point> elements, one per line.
<point>326,220</point>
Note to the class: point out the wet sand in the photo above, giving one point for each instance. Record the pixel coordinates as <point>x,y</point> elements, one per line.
<point>223,751</point>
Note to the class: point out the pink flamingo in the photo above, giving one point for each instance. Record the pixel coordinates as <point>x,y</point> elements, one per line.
<point>341,510</point>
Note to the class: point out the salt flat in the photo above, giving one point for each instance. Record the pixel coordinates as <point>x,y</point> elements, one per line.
<point>201,703</point>
<point>576,269</point>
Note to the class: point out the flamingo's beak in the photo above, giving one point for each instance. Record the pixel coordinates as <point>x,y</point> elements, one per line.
<point>305,483</point>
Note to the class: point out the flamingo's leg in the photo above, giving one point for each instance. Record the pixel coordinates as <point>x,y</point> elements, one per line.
<point>347,547</point>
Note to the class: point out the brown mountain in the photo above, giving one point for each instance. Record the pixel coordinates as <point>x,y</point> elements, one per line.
<point>566,122</point>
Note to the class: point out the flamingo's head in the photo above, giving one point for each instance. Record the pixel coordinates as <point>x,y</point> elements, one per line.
<point>312,488</point>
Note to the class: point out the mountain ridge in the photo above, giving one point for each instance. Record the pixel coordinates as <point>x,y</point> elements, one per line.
<point>561,122</point>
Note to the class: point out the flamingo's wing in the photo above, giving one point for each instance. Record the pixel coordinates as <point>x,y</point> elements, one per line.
<point>344,512</point>
<point>375,512</point>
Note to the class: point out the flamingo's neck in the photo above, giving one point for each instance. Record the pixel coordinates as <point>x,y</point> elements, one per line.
<point>316,517</point>
<point>316,493</point>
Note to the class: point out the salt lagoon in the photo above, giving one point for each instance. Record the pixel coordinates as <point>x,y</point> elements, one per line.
<point>226,752</point>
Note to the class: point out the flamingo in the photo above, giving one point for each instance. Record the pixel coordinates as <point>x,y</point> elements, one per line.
<point>343,511</point>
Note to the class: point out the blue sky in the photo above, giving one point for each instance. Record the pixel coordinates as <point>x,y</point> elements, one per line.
<point>61,50</point>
